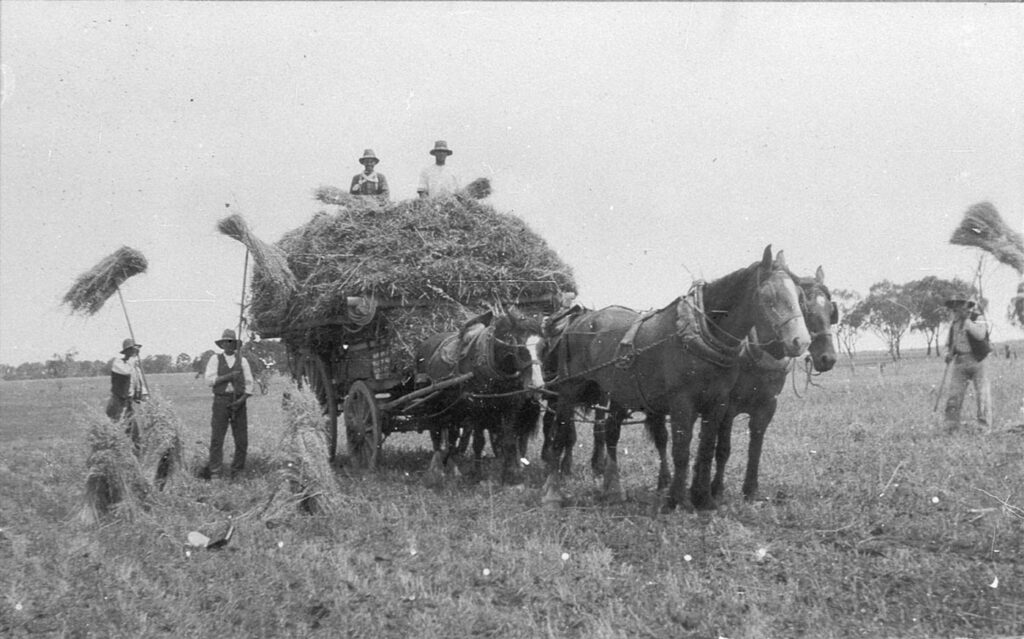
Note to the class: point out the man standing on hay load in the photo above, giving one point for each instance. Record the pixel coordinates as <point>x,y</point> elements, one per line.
<point>438,178</point>
<point>966,348</point>
<point>230,377</point>
<point>369,182</point>
<point>127,385</point>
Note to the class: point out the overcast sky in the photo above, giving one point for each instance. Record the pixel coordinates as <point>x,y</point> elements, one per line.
<point>650,144</point>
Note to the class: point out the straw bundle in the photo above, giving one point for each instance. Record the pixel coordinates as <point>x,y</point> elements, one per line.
<point>984,228</point>
<point>161,451</point>
<point>272,283</point>
<point>307,481</point>
<point>114,479</point>
<point>94,287</point>
<point>478,189</point>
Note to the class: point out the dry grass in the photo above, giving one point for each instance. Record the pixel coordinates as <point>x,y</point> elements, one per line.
<point>875,523</point>
<point>94,287</point>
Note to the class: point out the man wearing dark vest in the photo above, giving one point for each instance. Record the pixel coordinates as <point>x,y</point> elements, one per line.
<point>230,377</point>
<point>966,349</point>
<point>127,385</point>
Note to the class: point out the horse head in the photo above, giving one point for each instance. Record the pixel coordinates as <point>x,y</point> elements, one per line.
<point>512,330</point>
<point>820,315</point>
<point>778,311</point>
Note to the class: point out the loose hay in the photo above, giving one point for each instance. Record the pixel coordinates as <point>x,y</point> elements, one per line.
<point>114,479</point>
<point>307,482</point>
<point>429,263</point>
<point>161,450</point>
<point>983,227</point>
<point>94,287</point>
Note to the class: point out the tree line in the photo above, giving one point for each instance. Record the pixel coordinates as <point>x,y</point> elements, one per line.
<point>890,311</point>
<point>262,355</point>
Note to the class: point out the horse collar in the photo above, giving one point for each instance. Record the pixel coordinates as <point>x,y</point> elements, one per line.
<point>693,330</point>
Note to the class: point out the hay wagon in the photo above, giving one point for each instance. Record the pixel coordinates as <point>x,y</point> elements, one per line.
<point>357,363</point>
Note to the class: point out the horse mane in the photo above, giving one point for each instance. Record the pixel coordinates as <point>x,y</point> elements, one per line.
<point>715,297</point>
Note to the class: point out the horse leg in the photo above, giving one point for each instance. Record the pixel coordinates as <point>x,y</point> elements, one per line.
<point>452,449</point>
<point>561,432</point>
<point>700,488</point>
<point>759,421</point>
<point>723,448</point>
<point>598,458</point>
<point>682,433</point>
<point>613,428</point>
<point>655,425</point>
<point>479,441</point>
<point>436,468</point>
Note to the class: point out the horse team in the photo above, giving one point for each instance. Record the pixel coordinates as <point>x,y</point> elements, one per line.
<point>721,350</point>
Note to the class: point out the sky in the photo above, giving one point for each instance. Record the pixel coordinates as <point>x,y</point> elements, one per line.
<point>650,144</point>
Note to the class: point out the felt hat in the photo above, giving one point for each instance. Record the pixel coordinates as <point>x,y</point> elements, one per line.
<point>440,147</point>
<point>368,156</point>
<point>227,336</point>
<point>129,343</point>
<point>958,301</point>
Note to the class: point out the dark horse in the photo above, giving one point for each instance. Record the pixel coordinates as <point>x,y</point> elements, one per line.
<point>764,367</point>
<point>493,399</point>
<point>763,371</point>
<point>681,360</point>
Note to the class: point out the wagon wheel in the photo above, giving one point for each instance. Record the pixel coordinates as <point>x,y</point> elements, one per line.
<point>363,425</point>
<point>315,371</point>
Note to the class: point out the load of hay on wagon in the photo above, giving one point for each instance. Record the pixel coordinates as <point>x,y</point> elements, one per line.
<point>404,270</point>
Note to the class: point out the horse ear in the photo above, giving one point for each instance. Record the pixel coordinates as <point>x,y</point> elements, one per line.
<point>820,275</point>
<point>483,318</point>
<point>780,260</point>
<point>766,259</point>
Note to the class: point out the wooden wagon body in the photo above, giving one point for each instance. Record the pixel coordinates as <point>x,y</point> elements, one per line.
<point>349,361</point>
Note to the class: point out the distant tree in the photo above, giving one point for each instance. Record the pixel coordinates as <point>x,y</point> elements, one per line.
<point>59,366</point>
<point>266,355</point>
<point>1015,311</point>
<point>31,370</point>
<point>887,314</point>
<point>927,298</point>
<point>199,362</point>
<point>183,363</point>
<point>7,371</point>
<point>155,364</point>
<point>851,321</point>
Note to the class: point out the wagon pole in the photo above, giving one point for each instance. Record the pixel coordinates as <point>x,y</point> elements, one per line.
<point>131,334</point>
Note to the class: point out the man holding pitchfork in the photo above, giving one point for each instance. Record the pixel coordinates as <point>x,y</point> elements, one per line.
<point>230,377</point>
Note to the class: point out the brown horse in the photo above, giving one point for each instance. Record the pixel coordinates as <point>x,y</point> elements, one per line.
<point>681,360</point>
<point>494,399</point>
<point>763,371</point>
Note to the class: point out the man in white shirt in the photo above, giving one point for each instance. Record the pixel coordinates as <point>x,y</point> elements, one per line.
<point>230,377</point>
<point>438,178</point>
<point>966,349</point>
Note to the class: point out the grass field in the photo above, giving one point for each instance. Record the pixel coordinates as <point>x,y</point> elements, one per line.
<point>876,524</point>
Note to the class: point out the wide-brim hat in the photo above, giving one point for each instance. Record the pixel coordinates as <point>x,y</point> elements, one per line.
<point>129,343</point>
<point>957,302</point>
<point>368,156</point>
<point>227,336</point>
<point>440,147</point>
